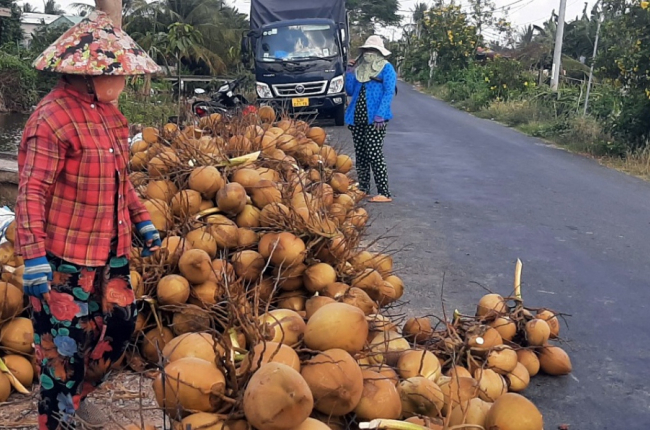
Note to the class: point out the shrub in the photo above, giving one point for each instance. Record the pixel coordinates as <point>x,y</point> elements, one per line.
<point>17,84</point>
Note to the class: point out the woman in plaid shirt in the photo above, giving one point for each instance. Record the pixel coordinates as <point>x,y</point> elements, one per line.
<point>75,211</point>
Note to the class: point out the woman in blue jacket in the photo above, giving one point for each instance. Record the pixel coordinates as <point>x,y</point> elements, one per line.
<point>371,84</point>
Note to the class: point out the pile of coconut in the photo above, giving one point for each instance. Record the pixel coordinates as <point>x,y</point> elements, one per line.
<point>265,308</point>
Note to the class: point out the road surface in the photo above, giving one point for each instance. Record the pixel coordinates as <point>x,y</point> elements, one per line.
<point>471,196</point>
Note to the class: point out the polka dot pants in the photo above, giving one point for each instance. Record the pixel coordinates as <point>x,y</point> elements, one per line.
<point>369,149</point>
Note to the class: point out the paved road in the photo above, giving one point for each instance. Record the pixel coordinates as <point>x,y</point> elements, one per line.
<point>470,197</point>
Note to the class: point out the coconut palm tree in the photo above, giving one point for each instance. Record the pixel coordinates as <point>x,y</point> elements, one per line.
<point>51,7</point>
<point>28,8</point>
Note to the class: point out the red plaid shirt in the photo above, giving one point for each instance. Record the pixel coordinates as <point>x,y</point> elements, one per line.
<point>72,164</point>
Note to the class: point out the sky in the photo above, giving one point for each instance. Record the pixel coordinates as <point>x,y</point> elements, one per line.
<point>522,12</point>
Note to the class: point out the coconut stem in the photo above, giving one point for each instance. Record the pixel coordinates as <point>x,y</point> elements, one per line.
<point>390,425</point>
<point>456,316</point>
<point>518,268</point>
<point>152,304</point>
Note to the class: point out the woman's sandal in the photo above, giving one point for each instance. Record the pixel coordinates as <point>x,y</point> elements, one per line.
<point>381,199</point>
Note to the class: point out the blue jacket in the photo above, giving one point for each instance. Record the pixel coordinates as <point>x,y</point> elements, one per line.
<point>379,95</point>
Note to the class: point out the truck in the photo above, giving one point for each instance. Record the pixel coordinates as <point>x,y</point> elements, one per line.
<point>298,51</point>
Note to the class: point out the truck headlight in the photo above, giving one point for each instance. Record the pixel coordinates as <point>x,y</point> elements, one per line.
<point>263,91</point>
<point>336,85</point>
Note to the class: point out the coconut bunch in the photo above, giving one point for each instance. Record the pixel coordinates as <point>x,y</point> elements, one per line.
<point>17,367</point>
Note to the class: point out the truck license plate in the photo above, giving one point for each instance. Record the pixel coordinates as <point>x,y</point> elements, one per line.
<point>300,102</point>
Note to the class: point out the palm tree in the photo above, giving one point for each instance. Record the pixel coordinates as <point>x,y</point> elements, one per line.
<point>52,8</point>
<point>28,8</point>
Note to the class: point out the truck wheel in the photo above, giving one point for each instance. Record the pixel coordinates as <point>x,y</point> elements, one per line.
<point>339,116</point>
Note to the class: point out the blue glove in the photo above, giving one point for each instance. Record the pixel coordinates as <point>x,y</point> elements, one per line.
<point>150,236</point>
<point>380,124</point>
<point>38,273</point>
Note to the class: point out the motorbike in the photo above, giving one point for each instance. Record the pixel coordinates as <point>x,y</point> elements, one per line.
<point>224,101</point>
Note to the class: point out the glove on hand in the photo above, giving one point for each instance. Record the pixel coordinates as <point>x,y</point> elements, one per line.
<point>38,273</point>
<point>379,123</point>
<point>150,236</point>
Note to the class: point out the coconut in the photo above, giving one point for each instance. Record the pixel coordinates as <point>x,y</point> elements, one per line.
<point>483,338</point>
<point>386,347</point>
<point>267,352</point>
<point>285,249</point>
<point>343,163</point>
<point>206,294</point>
<point>458,372</point>
<point>21,368</point>
<point>274,215</point>
<point>159,212</point>
<point>231,199</point>
<point>553,360</point>
<point>5,388</point>
<point>226,235</point>
<point>202,238</point>
<point>248,264</point>
<point>369,280</point>
<point>315,303</point>
<point>337,325</point>
<point>172,290</point>
<point>502,359</point>
<point>283,326</point>
<point>324,193</point>
<point>491,384</point>
<point>418,363</point>
<point>240,144</point>
<point>207,180</point>
<point>173,247</point>
<point>518,379</point>
<point>537,332</point>
<point>380,398</point>
<point>458,391</point>
<point>277,398</point>
<point>186,203</point>
<point>199,345</point>
<point>195,265</point>
<point>150,134</point>
<point>551,319</point>
<point>417,330</point>
<point>203,421</point>
<point>514,412</point>
<point>136,284</point>
<point>268,174</point>
<point>246,238</point>
<point>293,300</point>
<point>139,161</point>
<point>506,327</point>
<point>155,340</point>
<point>17,335</point>
<point>337,212</point>
<point>379,324</point>
<point>290,278</point>
<point>315,424</point>
<point>335,380</point>
<point>344,200</point>
<point>318,276</point>
<point>11,301</point>
<point>420,396</point>
<point>249,217</point>
<point>474,413</point>
<point>357,297</point>
<point>190,384</point>
<point>529,360</point>
<point>192,319</point>
<point>246,177</point>
<point>267,114</point>
<point>161,190</point>
<point>382,263</point>
<point>490,305</point>
<point>265,192</point>
<point>223,273</point>
<point>358,217</point>
<point>161,165</point>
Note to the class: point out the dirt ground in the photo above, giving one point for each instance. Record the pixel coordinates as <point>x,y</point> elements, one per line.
<point>127,398</point>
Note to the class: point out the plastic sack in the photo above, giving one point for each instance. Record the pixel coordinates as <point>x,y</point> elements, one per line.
<point>6,218</point>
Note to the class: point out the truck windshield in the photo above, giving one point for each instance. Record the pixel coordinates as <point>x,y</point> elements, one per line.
<point>297,42</point>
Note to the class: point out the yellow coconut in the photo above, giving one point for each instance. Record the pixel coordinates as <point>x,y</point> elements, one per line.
<point>5,388</point>
<point>199,345</point>
<point>195,265</point>
<point>231,199</point>
<point>491,304</point>
<point>161,190</point>
<point>206,294</point>
<point>386,347</point>
<point>506,327</point>
<point>271,352</point>
<point>514,412</point>
<point>529,360</point>
<point>318,276</point>
<point>189,384</point>
<point>474,413</point>
<point>186,203</point>
<point>172,290</point>
<point>265,192</point>
<point>17,335</point>
<point>246,177</point>
<point>553,360</point>
<point>518,379</point>
<point>207,180</point>
<point>502,359</point>
<point>317,134</point>
<point>290,278</point>
<point>419,363</point>
<point>155,340</point>
<point>285,249</point>
<point>267,114</point>
<point>337,325</point>
<point>277,398</point>
<point>248,264</point>
<point>343,163</point>
<point>552,320</point>
<point>315,303</point>
<point>203,421</point>
<point>21,368</point>
<point>11,300</point>
<point>537,332</point>
<point>491,384</point>
<point>283,326</point>
<point>421,396</point>
<point>202,238</point>
<point>249,217</point>
<point>335,380</point>
<point>417,330</point>
<point>246,238</point>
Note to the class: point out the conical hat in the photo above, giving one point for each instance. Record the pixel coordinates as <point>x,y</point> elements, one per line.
<point>96,47</point>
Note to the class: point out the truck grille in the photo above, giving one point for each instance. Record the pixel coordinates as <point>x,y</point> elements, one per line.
<point>300,89</point>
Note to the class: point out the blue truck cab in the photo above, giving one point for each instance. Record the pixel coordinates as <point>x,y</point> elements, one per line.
<point>299,54</point>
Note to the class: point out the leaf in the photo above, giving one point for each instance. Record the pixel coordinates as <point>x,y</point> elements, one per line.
<point>12,379</point>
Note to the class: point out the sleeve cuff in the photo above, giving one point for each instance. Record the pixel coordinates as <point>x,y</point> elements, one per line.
<point>32,251</point>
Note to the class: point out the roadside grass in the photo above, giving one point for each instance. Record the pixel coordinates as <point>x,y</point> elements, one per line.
<point>582,135</point>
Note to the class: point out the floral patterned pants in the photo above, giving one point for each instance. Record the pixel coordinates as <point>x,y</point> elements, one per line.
<point>79,333</point>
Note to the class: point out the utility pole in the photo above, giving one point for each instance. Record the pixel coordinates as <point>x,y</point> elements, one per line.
<point>593,61</point>
<point>557,56</point>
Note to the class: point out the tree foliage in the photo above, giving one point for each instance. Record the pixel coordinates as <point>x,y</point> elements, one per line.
<point>365,13</point>
<point>10,31</point>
